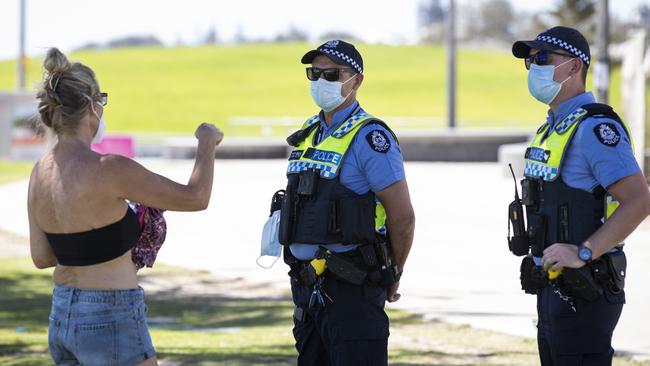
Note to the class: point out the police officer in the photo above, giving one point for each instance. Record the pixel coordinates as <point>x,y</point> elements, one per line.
<point>584,194</point>
<point>346,221</point>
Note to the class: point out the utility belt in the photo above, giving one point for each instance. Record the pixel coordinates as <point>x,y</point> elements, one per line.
<point>605,275</point>
<point>370,264</point>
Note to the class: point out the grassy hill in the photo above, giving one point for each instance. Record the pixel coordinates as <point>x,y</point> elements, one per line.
<point>172,89</point>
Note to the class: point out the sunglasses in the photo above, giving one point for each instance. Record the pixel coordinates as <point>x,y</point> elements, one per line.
<point>541,58</point>
<point>103,99</point>
<point>329,74</point>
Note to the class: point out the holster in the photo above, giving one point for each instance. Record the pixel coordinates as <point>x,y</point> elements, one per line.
<point>581,283</point>
<point>532,276</point>
<point>616,264</point>
<point>605,275</point>
<point>388,271</point>
<point>341,268</point>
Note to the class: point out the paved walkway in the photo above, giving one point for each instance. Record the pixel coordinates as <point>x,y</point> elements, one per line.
<point>460,270</point>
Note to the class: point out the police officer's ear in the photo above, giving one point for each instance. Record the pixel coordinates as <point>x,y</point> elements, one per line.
<point>576,66</point>
<point>356,83</point>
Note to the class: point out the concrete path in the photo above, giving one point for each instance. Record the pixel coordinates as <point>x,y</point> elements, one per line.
<point>459,271</point>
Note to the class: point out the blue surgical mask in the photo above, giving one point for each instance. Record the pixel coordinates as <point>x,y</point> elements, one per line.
<point>270,249</point>
<point>541,84</point>
<point>327,94</point>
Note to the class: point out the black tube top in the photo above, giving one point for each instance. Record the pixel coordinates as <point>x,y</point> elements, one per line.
<point>97,245</point>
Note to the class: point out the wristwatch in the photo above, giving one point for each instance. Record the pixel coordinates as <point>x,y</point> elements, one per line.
<point>584,254</point>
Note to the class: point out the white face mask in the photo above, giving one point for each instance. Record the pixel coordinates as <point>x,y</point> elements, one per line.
<point>327,94</point>
<point>99,135</point>
<point>541,84</point>
<point>270,249</point>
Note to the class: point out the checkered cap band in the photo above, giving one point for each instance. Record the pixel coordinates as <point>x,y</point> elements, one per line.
<point>342,56</point>
<point>560,43</point>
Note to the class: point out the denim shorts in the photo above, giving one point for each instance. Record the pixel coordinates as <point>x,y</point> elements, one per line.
<point>98,327</point>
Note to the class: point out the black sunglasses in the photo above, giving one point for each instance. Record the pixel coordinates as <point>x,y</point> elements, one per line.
<point>541,58</point>
<point>103,99</point>
<point>329,74</point>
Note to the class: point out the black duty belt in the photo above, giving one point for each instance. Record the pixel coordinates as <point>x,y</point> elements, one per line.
<point>348,266</point>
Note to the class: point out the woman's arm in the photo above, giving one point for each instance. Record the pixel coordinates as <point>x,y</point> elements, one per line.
<point>39,247</point>
<point>132,181</point>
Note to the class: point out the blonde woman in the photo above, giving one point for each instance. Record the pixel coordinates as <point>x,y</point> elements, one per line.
<point>80,222</point>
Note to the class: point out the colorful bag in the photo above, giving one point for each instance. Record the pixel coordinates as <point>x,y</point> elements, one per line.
<point>154,230</point>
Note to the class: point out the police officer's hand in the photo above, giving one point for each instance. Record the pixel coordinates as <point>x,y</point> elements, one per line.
<point>209,132</point>
<point>561,255</point>
<point>393,295</point>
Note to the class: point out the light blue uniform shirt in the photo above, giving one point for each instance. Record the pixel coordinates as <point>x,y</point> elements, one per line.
<point>366,167</point>
<point>589,162</point>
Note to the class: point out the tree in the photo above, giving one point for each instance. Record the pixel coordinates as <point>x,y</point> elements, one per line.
<point>293,34</point>
<point>496,19</point>
<point>644,16</point>
<point>431,21</point>
<point>211,37</point>
<point>240,36</point>
<point>578,14</point>
<point>342,35</point>
<point>134,41</point>
<point>573,12</point>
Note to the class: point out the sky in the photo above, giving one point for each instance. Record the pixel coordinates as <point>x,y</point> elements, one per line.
<point>68,24</point>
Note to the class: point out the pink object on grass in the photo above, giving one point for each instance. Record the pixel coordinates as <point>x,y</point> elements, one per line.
<point>116,144</point>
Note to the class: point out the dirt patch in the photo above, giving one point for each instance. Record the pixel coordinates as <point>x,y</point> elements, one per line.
<point>168,281</point>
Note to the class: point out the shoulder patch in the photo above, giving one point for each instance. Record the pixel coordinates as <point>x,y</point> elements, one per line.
<point>607,134</point>
<point>378,141</point>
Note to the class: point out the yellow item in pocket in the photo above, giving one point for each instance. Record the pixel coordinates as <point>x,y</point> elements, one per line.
<point>554,274</point>
<point>319,266</point>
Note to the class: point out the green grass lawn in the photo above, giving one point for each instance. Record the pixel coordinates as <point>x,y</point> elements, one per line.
<point>216,329</point>
<point>172,89</point>
<point>11,171</point>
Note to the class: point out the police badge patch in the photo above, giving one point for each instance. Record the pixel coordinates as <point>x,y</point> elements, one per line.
<point>607,134</point>
<point>332,44</point>
<point>378,141</point>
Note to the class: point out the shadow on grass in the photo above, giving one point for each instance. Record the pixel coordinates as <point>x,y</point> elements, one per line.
<point>25,299</point>
<point>270,355</point>
<point>206,328</point>
<point>207,312</point>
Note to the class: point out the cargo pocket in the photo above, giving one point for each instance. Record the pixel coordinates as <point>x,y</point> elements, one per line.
<point>357,219</point>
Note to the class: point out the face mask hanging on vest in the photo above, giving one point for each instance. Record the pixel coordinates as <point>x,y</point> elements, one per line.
<point>541,84</point>
<point>327,94</point>
<point>271,249</point>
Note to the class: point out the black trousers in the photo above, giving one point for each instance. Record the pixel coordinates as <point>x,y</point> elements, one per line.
<point>576,338</point>
<point>352,330</point>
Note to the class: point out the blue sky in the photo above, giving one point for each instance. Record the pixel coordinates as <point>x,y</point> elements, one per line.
<point>70,23</point>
